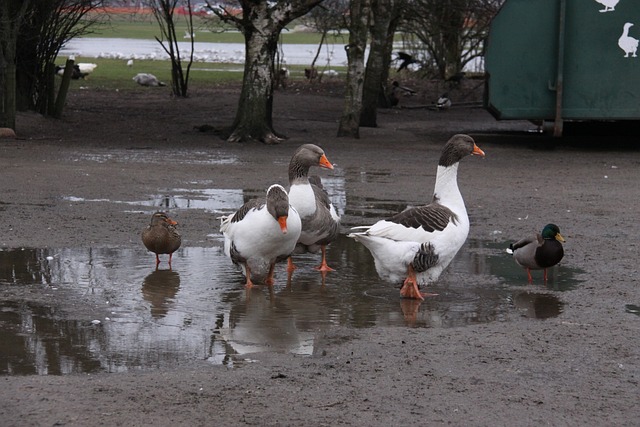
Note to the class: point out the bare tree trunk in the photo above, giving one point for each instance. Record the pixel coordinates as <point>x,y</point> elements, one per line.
<point>313,73</point>
<point>7,94</point>
<point>452,62</point>
<point>47,25</point>
<point>11,14</point>
<point>163,11</point>
<point>350,121</point>
<point>451,32</point>
<point>254,115</point>
<point>261,24</point>
<point>384,21</point>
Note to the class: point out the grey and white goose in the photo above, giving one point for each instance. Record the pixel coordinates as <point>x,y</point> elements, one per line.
<point>443,102</point>
<point>320,220</point>
<point>540,251</point>
<point>419,243</point>
<point>261,233</point>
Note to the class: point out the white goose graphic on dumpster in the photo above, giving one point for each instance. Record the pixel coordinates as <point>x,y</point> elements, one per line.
<point>609,5</point>
<point>627,43</point>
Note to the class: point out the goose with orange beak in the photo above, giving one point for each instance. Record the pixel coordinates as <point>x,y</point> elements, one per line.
<point>320,220</point>
<point>261,233</point>
<point>414,246</point>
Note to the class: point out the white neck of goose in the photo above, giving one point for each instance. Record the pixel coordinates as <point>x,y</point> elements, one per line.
<point>446,189</point>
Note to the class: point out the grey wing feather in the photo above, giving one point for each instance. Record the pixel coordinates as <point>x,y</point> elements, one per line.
<point>321,196</point>
<point>425,258</point>
<point>431,217</point>
<point>315,180</point>
<point>236,257</point>
<point>526,241</point>
<point>326,224</point>
<point>244,209</point>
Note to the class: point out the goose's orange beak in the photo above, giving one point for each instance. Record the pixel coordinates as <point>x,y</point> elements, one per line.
<point>170,221</point>
<point>283,224</point>
<point>325,163</point>
<point>477,151</point>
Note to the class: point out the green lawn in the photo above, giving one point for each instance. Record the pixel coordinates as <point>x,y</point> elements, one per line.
<point>115,74</point>
<point>146,27</point>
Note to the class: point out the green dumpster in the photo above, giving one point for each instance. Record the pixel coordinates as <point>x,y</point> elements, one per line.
<point>564,60</point>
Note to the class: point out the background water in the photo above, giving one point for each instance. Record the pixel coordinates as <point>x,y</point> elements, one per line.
<point>118,48</point>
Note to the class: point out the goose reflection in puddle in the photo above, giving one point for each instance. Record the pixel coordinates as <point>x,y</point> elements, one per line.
<point>410,308</point>
<point>264,321</point>
<point>159,288</point>
<point>323,278</point>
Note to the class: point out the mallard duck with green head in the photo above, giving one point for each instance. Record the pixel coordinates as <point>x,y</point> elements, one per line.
<point>540,251</point>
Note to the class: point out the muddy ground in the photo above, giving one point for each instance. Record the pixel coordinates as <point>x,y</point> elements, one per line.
<point>579,368</point>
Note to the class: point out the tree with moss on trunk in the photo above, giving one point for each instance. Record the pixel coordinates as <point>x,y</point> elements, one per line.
<point>261,23</point>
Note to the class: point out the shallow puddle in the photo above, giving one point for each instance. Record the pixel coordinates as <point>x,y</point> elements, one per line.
<point>119,313</point>
<point>216,200</point>
<point>122,314</point>
<point>155,156</point>
<point>490,258</point>
<point>211,200</point>
<point>633,309</point>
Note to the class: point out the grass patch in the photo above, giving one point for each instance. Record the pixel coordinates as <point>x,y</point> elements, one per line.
<point>115,74</point>
<point>145,27</point>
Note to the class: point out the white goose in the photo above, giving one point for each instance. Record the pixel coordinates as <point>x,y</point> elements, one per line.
<point>320,221</point>
<point>261,233</point>
<point>147,79</point>
<point>627,43</point>
<point>419,243</point>
<point>444,102</point>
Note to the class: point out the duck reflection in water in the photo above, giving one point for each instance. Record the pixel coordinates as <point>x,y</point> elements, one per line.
<point>159,288</point>
<point>537,305</point>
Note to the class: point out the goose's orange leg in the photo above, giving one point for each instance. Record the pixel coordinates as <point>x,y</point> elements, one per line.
<point>269,281</point>
<point>410,286</point>
<point>290,266</point>
<point>249,283</point>
<point>324,266</point>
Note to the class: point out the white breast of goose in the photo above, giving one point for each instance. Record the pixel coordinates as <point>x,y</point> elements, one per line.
<point>302,198</point>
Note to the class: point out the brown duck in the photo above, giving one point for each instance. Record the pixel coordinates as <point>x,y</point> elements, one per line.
<point>161,236</point>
